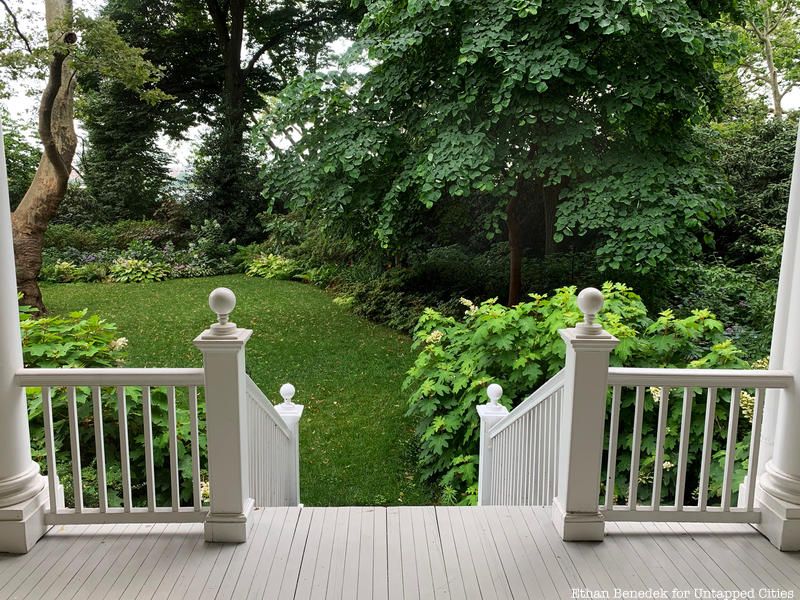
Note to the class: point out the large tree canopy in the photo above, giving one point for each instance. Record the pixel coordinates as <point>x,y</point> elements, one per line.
<point>218,59</point>
<point>579,111</point>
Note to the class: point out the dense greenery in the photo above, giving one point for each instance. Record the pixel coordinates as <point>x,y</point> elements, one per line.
<point>530,109</point>
<point>356,446</point>
<point>73,340</point>
<point>520,348</point>
<point>218,60</point>
<point>22,158</point>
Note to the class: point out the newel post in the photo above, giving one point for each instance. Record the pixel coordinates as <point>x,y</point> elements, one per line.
<point>291,413</point>
<point>575,507</point>
<point>222,346</point>
<point>490,414</point>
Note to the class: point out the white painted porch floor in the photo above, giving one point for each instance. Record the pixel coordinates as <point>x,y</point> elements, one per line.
<point>386,553</point>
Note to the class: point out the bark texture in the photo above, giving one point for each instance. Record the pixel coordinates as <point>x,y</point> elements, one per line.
<point>57,133</point>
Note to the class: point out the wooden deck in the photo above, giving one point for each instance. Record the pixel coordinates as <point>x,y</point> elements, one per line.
<point>387,553</point>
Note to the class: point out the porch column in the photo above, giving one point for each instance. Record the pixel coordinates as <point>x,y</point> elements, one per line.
<point>23,491</point>
<point>779,483</point>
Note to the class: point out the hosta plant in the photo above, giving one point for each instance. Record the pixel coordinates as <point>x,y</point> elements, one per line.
<point>134,270</point>
<point>272,266</point>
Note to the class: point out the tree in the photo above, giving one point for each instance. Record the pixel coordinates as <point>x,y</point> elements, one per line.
<point>219,59</point>
<point>769,41</point>
<point>578,112</point>
<point>100,49</point>
<point>124,170</point>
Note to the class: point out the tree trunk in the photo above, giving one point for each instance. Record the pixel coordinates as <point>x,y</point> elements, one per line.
<point>774,84</point>
<point>549,205</point>
<point>515,248</point>
<point>40,203</point>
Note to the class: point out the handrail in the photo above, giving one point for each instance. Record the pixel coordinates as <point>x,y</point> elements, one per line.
<point>263,402</point>
<point>545,391</point>
<point>713,378</point>
<point>109,377</point>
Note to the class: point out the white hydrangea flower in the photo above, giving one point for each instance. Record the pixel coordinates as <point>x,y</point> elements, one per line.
<point>119,344</point>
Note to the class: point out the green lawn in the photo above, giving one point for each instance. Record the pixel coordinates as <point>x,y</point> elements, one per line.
<point>356,447</point>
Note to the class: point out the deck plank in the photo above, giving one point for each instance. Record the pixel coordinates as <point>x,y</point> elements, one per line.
<point>396,552</point>
<point>286,586</point>
<point>455,578</point>
<point>338,553</point>
<point>268,554</point>
<point>380,561</point>
<point>366,554</point>
<point>351,566</point>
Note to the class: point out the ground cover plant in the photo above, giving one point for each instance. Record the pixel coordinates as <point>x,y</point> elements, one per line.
<point>357,447</point>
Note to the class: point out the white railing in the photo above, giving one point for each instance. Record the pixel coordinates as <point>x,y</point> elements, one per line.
<point>523,446</point>
<point>115,389</point>
<point>249,447</point>
<point>670,503</point>
<point>550,448</point>
<point>273,447</point>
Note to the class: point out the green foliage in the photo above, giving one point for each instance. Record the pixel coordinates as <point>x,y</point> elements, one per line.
<point>272,266</point>
<point>336,360</point>
<point>117,235</point>
<point>77,341</point>
<point>134,270</point>
<point>491,101</point>
<point>22,157</point>
<point>520,348</point>
<point>756,158</point>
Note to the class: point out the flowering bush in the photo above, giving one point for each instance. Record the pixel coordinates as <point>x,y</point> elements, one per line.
<point>519,348</point>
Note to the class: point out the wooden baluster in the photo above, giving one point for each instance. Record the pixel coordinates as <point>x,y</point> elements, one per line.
<point>658,467</point>
<point>683,453</point>
<point>173,449</point>
<point>613,435</point>
<point>99,446</point>
<point>195,443</point>
<point>636,446</point>
<point>708,442</point>
<point>49,444</point>
<point>147,432</point>
<point>124,448</point>
<point>755,443</point>
<point>730,449</point>
<point>74,439</point>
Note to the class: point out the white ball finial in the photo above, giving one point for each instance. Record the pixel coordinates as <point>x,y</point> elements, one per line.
<point>590,301</point>
<point>222,301</point>
<point>287,392</point>
<point>494,391</point>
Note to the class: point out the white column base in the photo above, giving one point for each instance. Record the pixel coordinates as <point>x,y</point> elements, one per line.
<point>229,528</point>
<point>780,521</point>
<point>23,524</point>
<point>578,527</point>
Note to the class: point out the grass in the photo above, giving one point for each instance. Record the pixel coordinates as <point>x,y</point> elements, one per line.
<point>356,446</point>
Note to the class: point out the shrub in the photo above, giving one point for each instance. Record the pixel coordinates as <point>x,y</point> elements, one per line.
<point>80,341</point>
<point>98,237</point>
<point>132,270</point>
<point>62,271</point>
<point>519,348</point>
<point>272,266</point>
